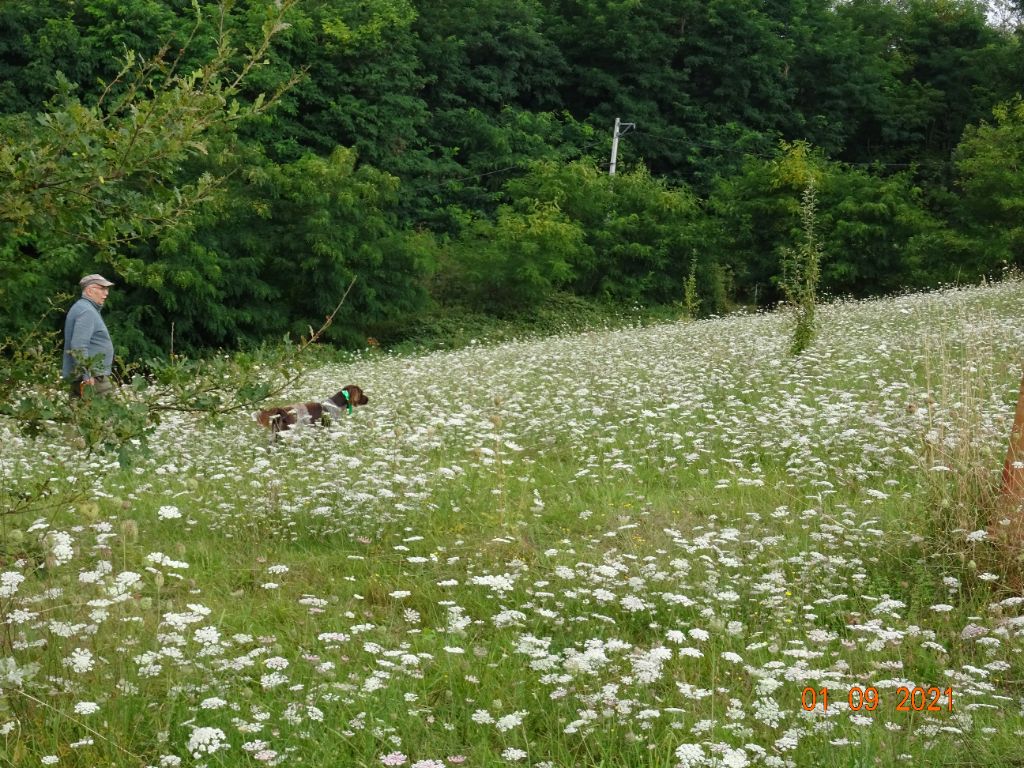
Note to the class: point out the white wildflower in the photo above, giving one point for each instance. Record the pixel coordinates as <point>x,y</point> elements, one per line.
<point>9,583</point>
<point>508,722</point>
<point>690,755</point>
<point>60,545</point>
<point>80,660</point>
<point>206,741</point>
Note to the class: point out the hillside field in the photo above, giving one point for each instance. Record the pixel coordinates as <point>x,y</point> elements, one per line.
<point>664,546</point>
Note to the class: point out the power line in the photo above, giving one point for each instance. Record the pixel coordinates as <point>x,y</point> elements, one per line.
<point>576,155</point>
<point>661,137</point>
<point>749,153</point>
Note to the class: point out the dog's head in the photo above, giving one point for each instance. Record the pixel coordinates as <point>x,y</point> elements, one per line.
<point>349,397</point>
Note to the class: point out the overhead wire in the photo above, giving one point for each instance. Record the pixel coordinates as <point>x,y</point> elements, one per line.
<point>718,148</point>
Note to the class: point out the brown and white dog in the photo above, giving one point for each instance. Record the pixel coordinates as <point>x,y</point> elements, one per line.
<point>288,416</point>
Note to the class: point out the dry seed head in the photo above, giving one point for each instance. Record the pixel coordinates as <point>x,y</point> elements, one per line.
<point>130,530</point>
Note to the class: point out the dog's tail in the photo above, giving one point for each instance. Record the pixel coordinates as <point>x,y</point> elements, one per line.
<point>268,418</point>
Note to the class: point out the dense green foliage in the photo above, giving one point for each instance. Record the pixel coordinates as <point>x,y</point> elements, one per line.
<point>234,167</point>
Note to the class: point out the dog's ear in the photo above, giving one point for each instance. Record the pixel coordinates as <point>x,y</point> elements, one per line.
<point>356,395</point>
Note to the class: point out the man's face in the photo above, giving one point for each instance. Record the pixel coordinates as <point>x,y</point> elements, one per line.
<point>97,293</point>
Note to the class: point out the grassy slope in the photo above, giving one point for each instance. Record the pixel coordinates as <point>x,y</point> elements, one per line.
<point>621,542</point>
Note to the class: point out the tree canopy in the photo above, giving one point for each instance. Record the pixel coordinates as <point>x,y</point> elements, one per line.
<point>235,166</point>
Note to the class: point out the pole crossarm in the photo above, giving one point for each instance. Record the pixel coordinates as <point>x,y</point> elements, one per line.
<point>620,129</point>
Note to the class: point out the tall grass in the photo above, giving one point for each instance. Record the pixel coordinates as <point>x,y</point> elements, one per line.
<point>801,274</point>
<point>618,547</point>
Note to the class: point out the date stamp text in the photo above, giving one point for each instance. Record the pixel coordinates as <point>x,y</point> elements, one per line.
<point>868,699</point>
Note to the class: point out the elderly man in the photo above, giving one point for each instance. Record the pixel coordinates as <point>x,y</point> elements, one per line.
<point>88,350</point>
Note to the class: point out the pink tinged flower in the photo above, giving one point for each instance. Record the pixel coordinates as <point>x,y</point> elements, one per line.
<point>395,758</point>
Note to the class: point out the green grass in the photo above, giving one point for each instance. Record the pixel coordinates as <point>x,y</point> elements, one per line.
<point>622,541</point>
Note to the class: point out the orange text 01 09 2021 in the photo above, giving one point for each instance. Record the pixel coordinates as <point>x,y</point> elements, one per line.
<point>859,699</point>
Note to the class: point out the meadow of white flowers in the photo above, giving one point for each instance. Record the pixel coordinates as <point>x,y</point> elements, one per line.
<point>633,547</point>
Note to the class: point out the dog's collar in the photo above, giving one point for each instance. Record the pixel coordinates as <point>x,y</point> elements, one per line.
<point>348,400</point>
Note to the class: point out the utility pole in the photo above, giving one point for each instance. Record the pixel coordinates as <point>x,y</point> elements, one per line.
<point>619,130</point>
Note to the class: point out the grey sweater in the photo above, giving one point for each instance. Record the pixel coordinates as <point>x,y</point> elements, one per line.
<point>86,337</point>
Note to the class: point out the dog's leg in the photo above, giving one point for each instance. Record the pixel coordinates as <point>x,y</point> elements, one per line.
<point>299,415</point>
